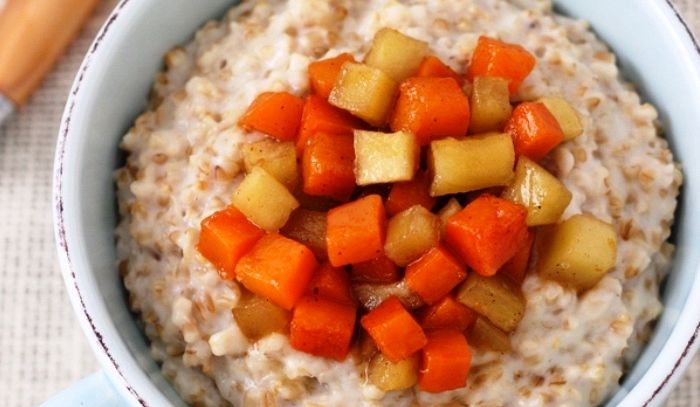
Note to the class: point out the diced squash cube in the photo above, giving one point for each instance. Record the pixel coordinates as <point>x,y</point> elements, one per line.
<point>544,196</point>
<point>497,58</point>
<point>390,376</point>
<point>383,158</point>
<point>258,317</point>
<point>577,252</point>
<point>394,330</point>
<point>276,114</point>
<point>534,129</point>
<point>445,363</point>
<point>487,233</point>
<point>364,91</point>
<point>494,298</point>
<point>433,67</point>
<point>452,207</point>
<point>410,234</point>
<point>327,166</point>
<point>435,274</point>
<point>396,54</point>
<point>225,237</point>
<point>320,117</point>
<point>355,231</point>
<point>469,164</point>
<point>516,268</point>
<point>380,270</point>
<point>490,104</point>
<point>485,335</point>
<point>308,228</point>
<point>277,269</point>
<point>447,313</point>
<point>567,117</point>
<point>331,283</point>
<point>279,159</point>
<point>324,73</point>
<point>322,327</point>
<point>404,195</point>
<point>431,108</point>
<point>264,200</point>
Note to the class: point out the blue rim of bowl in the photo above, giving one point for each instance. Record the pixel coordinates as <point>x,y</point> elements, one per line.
<point>69,275</point>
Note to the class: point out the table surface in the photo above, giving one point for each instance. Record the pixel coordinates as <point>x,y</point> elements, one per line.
<point>42,349</point>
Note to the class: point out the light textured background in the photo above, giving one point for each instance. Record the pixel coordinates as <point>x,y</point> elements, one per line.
<point>42,349</point>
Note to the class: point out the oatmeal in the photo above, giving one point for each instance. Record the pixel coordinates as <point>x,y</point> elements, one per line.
<point>185,161</point>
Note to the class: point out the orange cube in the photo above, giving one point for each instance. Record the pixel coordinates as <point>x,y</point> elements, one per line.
<point>431,108</point>
<point>323,73</point>
<point>225,237</point>
<point>327,166</point>
<point>331,283</point>
<point>445,362</point>
<point>404,195</point>
<point>394,330</point>
<point>515,269</point>
<point>487,233</point>
<point>432,67</point>
<point>277,114</point>
<point>277,269</point>
<point>355,231</point>
<point>380,270</point>
<point>434,274</point>
<point>447,313</point>
<point>497,58</point>
<point>322,327</point>
<point>319,116</point>
<point>535,131</point>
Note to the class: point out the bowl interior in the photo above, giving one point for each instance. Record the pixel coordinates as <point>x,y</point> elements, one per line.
<point>652,48</point>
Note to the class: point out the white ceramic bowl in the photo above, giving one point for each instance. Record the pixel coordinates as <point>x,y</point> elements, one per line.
<point>655,50</point>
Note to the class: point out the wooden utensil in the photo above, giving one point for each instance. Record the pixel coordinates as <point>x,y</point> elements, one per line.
<point>33,34</point>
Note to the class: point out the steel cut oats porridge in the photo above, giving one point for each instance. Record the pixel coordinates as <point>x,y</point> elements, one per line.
<point>185,161</point>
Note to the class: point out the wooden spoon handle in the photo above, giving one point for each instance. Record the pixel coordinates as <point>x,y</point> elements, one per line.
<point>33,34</point>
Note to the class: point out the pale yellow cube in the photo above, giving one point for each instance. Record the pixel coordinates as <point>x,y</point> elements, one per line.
<point>544,196</point>
<point>364,91</point>
<point>277,158</point>
<point>385,157</point>
<point>472,163</point>
<point>390,376</point>
<point>490,104</point>
<point>568,118</point>
<point>578,252</point>
<point>396,54</point>
<point>410,234</point>
<point>494,298</point>
<point>264,200</point>
<point>485,335</point>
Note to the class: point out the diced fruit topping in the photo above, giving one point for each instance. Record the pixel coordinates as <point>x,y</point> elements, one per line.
<point>324,73</point>
<point>276,114</point>
<point>394,330</point>
<point>534,130</point>
<point>566,116</point>
<point>495,298</point>
<point>497,58</point>
<point>485,335</point>
<point>322,327</point>
<point>264,200</point>
<point>431,108</point>
<point>390,376</point>
<point>396,54</point>
<point>308,228</point>
<point>364,91</point>
<point>257,317</point>
<point>410,234</point>
<point>490,104</point>
<point>277,158</point>
<point>383,158</point>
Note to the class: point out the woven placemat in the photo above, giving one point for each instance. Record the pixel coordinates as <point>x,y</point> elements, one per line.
<point>42,349</point>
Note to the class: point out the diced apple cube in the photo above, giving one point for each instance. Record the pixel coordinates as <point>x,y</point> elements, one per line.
<point>577,252</point>
<point>475,162</point>
<point>485,335</point>
<point>277,158</point>
<point>264,200</point>
<point>364,91</point>
<point>494,298</point>
<point>410,234</point>
<point>568,118</point>
<point>396,54</point>
<point>390,376</point>
<point>490,104</point>
<point>385,157</point>
<point>544,196</point>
